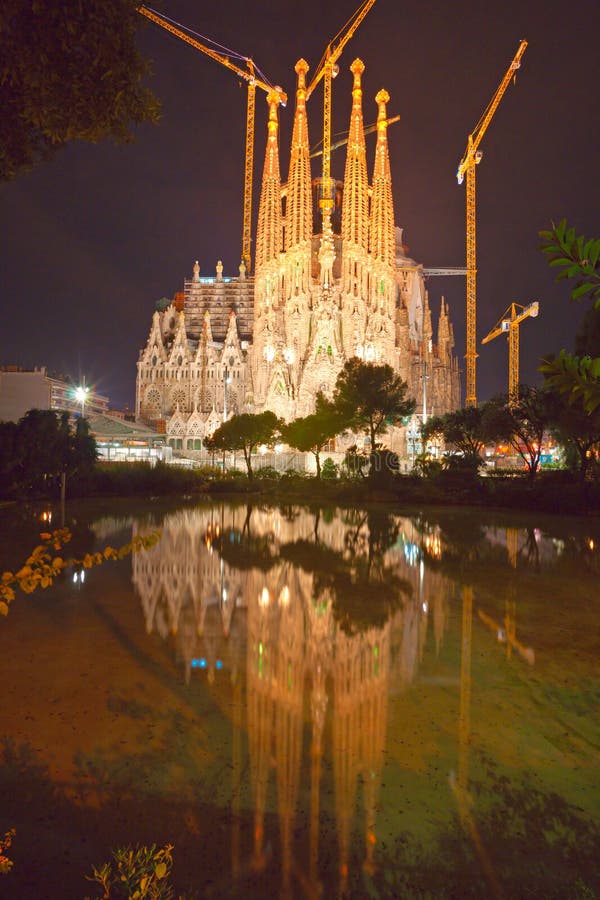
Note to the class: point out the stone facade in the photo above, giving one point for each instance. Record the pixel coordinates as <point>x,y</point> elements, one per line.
<point>271,341</point>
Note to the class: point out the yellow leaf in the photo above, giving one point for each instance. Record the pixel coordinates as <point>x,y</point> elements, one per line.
<point>3,608</point>
<point>24,572</point>
<point>57,562</point>
<point>161,870</point>
<point>7,577</point>
<point>45,536</point>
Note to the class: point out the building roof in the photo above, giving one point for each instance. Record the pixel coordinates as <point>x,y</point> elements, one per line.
<point>105,427</point>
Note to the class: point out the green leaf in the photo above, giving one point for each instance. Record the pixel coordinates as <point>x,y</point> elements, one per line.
<point>582,290</point>
<point>594,253</point>
<point>560,261</point>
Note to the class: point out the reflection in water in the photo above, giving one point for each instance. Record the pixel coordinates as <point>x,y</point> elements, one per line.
<point>366,704</point>
<point>312,650</point>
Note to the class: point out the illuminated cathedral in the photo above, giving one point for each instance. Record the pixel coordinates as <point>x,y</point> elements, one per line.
<point>326,288</point>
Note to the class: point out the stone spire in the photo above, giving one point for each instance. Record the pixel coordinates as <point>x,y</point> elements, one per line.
<point>355,210</point>
<point>381,237</point>
<point>298,230</point>
<point>268,237</point>
<point>443,334</point>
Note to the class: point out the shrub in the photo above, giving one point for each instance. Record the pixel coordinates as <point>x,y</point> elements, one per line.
<point>267,472</point>
<point>329,469</point>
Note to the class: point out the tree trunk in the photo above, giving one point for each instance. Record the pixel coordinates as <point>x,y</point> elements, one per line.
<point>248,458</point>
<point>318,460</point>
<point>63,497</point>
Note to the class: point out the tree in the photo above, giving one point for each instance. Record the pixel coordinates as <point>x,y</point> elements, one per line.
<point>42,448</point>
<point>309,434</point>
<point>245,432</point>
<point>68,71</point>
<point>577,430</point>
<point>371,398</point>
<point>521,423</point>
<point>463,430</point>
<point>575,377</point>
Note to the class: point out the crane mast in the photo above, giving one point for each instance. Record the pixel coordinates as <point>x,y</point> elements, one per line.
<point>249,76</point>
<point>471,158</point>
<point>327,70</point>
<point>509,324</point>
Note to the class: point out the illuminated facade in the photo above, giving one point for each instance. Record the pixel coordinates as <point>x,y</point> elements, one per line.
<point>310,696</point>
<point>271,341</point>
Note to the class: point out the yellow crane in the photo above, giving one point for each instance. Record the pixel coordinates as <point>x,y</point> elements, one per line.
<point>509,324</point>
<point>471,158</point>
<point>250,77</point>
<point>369,129</point>
<point>327,70</point>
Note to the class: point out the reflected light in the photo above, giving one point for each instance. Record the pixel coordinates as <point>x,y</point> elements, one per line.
<point>264,597</point>
<point>284,596</point>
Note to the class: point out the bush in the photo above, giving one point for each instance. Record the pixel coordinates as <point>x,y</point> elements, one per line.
<point>329,469</point>
<point>267,472</point>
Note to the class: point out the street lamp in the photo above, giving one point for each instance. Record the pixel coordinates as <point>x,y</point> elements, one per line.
<point>81,393</point>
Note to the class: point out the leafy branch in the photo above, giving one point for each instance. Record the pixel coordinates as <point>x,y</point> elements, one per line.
<point>43,565</point>
<point>576,378</point>
<point>576,257</point>
<point>6,864</point>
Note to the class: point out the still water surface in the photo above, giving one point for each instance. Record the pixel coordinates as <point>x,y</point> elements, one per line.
<point>325,703</point>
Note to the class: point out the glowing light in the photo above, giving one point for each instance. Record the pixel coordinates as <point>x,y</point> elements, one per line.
<point>289,355</point>
<point>224,595</point>
<point>262,449</point>
<point>269,353</point>
<point>278,448</point>
<point>198,663</point>
<point>284,596</point>
<point>264,597</point>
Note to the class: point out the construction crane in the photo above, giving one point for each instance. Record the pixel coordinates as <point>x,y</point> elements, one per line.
<point>327,70</point>
<point>471,158</point>
<point>509,324</point>
<point>335,146</point>
<point>250,77</point>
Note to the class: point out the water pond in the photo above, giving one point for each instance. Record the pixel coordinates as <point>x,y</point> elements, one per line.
<point>306,703</point>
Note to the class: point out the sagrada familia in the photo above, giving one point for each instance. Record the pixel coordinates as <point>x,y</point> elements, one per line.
<point>325,288</point>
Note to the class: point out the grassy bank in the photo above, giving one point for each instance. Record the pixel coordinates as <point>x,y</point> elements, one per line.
<point>552,491</point>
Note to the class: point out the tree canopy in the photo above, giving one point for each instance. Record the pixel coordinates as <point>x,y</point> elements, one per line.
<point>246,432</point>
<point>521,423</point>
<point>68,71</point>
<point>309,434</point>
<point>371,398</point>
<point>39,448</point>
<point>577,258</point>
<point>462,430</point>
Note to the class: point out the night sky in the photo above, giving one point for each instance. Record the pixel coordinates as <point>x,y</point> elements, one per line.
<point>94,238</point>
